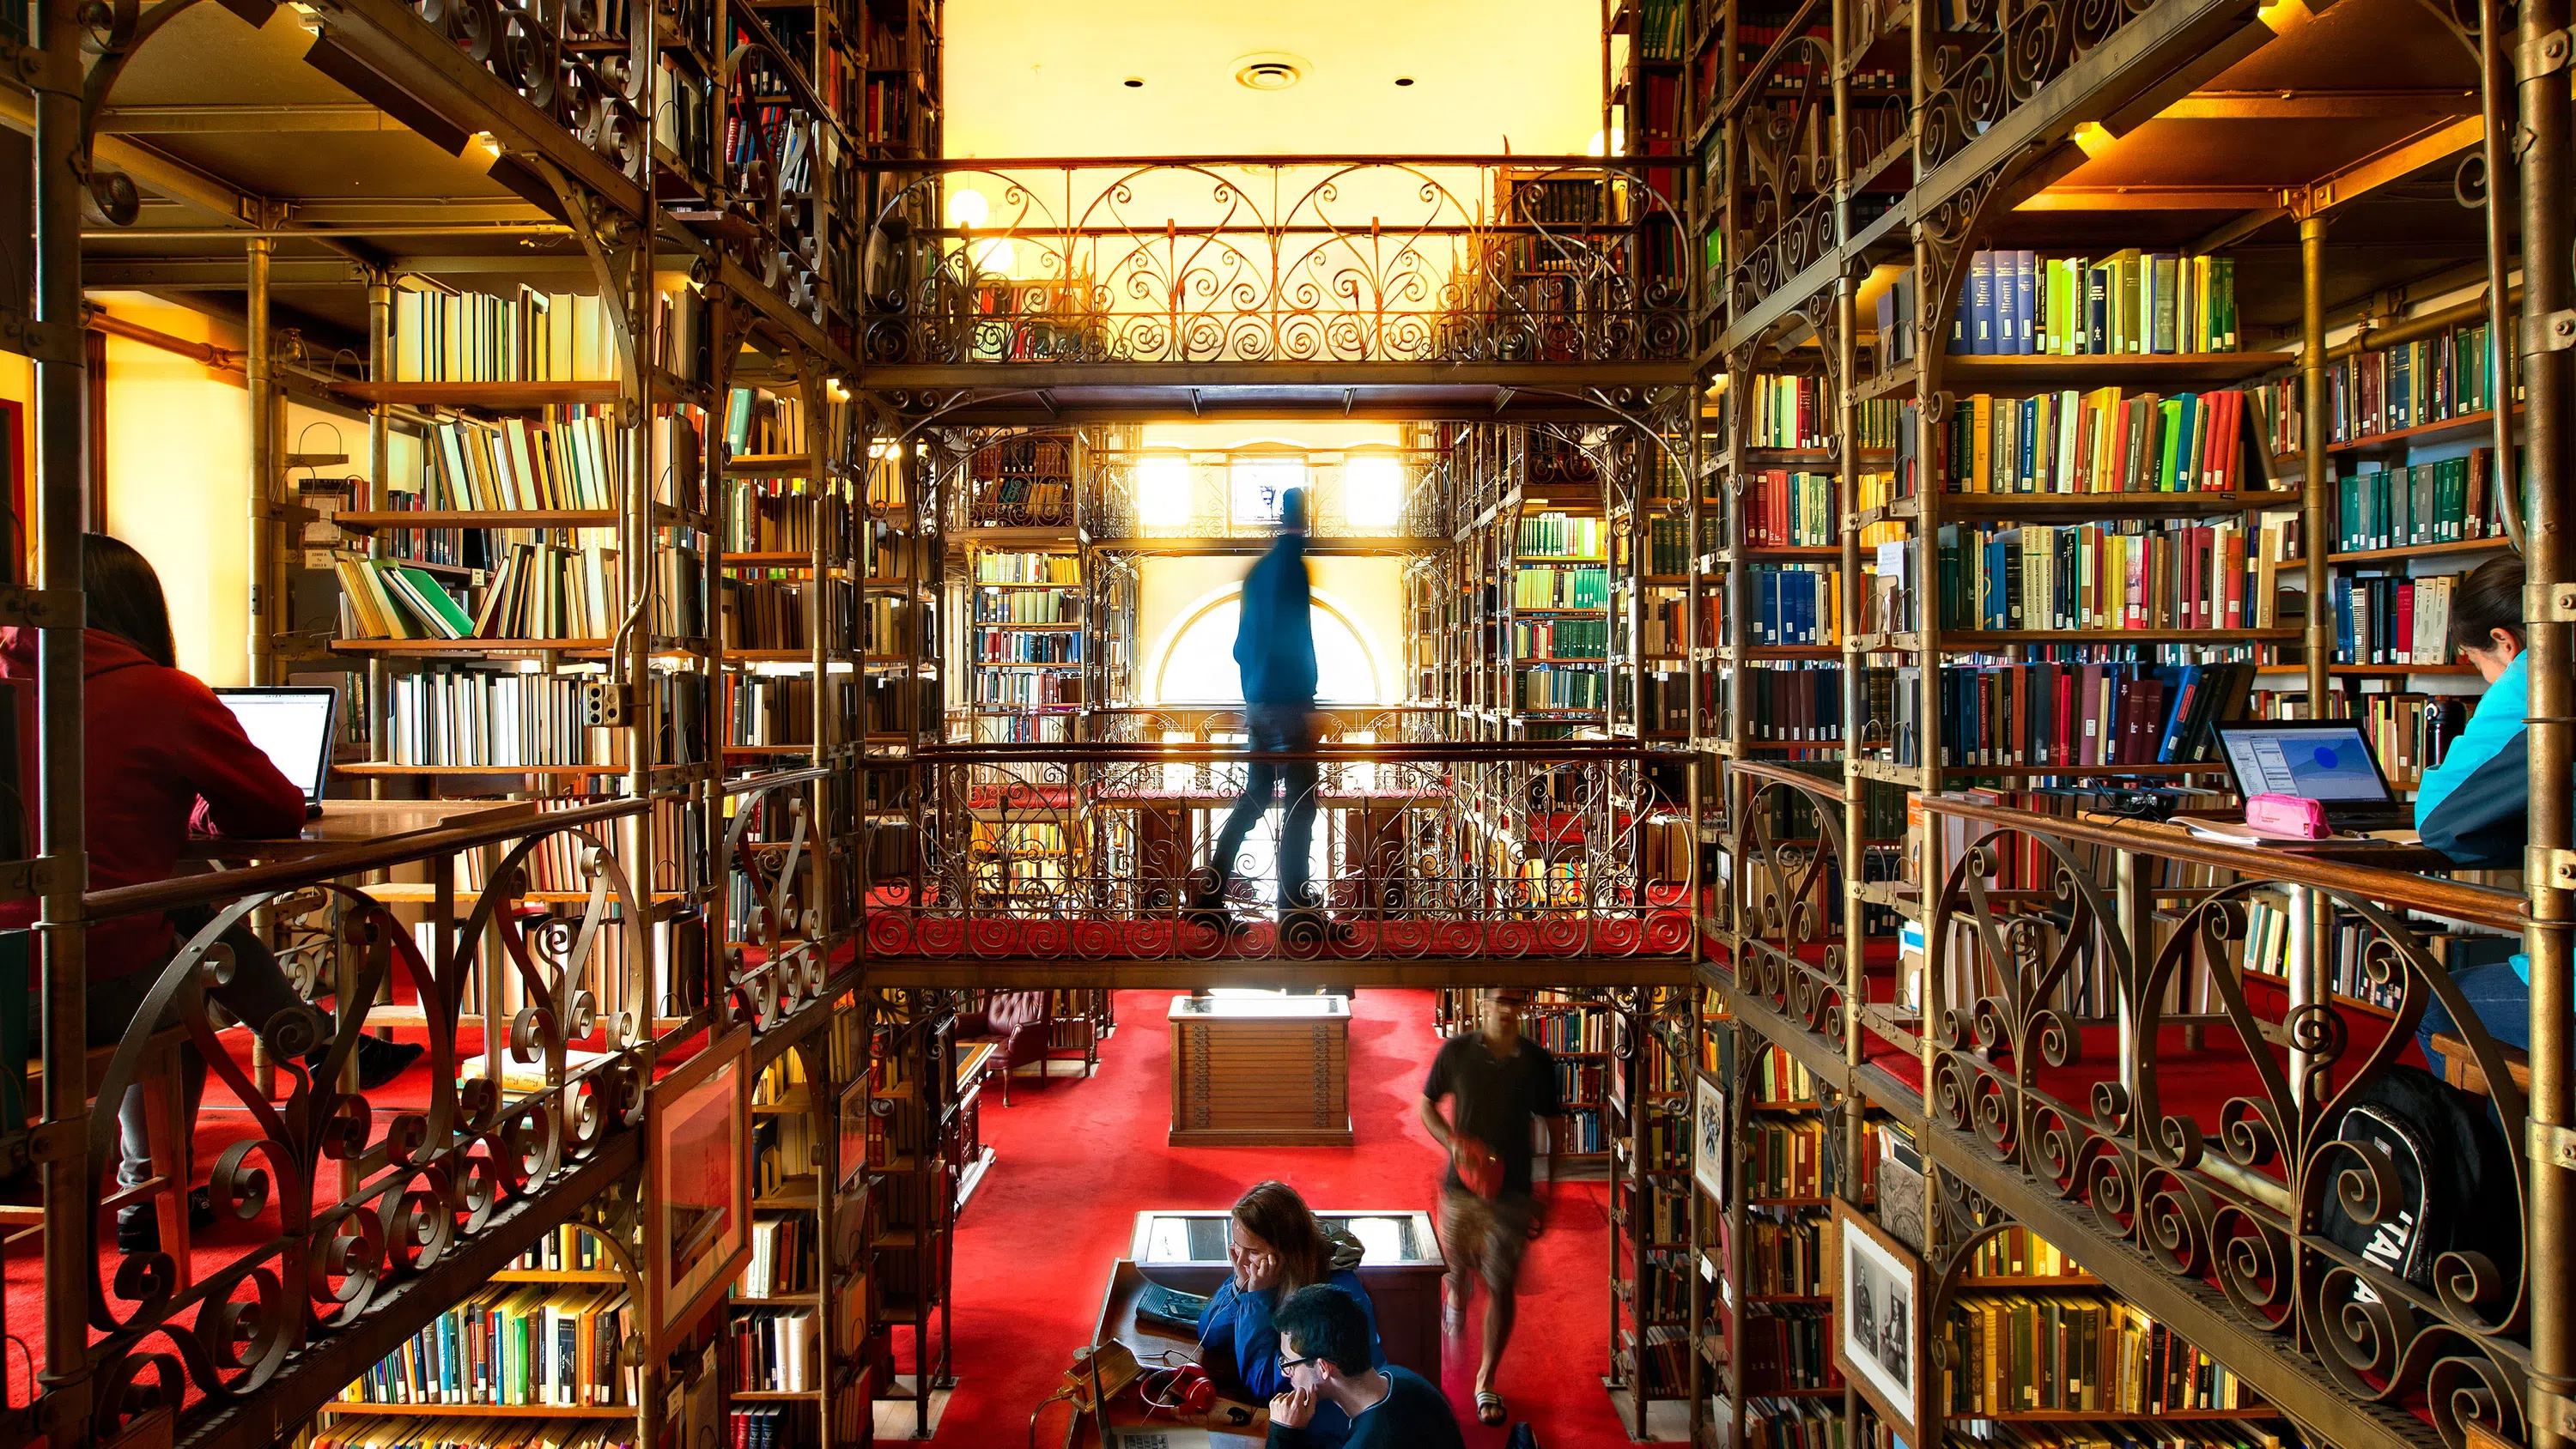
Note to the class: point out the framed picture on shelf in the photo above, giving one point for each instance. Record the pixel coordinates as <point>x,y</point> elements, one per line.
<point>1878,1320</point>
<point>1708,1140</point>
<point>697,1187</point>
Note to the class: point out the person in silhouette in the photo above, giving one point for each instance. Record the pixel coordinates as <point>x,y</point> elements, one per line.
<point>1275,648</point>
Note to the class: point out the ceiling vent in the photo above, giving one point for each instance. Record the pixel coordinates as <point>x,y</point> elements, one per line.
<point>1268,72</point>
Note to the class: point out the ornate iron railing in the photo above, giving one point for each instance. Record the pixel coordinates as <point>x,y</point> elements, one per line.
<point>1784,894</point>
<point>2196,1103</point>
<point>1310,259</point>
<point>543,990</point>
<point>1101,853</point>
<point>1996,56</point>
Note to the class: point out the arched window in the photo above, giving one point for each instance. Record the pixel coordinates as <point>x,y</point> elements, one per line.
<point>1198,666</point>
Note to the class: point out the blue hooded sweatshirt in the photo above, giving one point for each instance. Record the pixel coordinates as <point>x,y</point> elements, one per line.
<point>1275,642</point>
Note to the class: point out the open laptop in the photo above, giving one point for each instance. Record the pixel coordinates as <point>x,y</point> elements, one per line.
<point>292,725</point>
<point>2329,761</point>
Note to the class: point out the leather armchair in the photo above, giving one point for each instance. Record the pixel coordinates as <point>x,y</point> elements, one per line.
<point>1017,1022</point>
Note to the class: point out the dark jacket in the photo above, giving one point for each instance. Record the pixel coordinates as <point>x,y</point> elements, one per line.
<point>163,755</point>
<point>1275,643</point>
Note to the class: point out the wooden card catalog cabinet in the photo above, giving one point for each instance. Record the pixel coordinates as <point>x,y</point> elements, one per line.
<point>1255,1071</point>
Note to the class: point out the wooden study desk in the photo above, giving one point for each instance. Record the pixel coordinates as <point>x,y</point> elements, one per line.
<point>1231,1423</point>
<point>1254,1071</point>
<point>346,823</point>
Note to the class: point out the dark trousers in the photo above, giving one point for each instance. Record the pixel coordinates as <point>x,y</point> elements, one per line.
<point>2498,996</point>
<point>1280,727</point>
<point>255,996</point>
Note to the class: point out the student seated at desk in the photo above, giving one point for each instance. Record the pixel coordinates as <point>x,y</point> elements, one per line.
<point>1325,1343</point>
<point>2475,806</point>
<point>163,753</point>
<point>1278,1248</point>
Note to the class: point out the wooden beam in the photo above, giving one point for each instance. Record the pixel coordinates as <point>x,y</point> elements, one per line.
<point>2154,198</point>
<point>2392,163</point>
<point>2318,105</point>
<point>229,119</point>
<point>1026,975</point>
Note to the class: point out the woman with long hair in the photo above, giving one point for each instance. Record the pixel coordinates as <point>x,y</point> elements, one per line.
<point>163,756</point>
<point>1277,1246</point>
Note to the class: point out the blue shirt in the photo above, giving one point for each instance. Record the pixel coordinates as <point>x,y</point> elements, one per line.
<point>1242,1321</point>
<point>1274,643</point>
<point>2475,806</point>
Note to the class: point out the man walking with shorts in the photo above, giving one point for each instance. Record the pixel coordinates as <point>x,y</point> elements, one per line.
<point>1502,1090</point>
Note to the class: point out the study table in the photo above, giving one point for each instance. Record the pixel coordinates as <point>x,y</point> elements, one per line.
<point>1261,1071</point>
<point>344,824</point>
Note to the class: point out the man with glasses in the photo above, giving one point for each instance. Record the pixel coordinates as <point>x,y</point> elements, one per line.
<point>1324,1351</point>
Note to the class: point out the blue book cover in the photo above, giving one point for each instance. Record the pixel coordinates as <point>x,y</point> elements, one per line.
<point>1982,314</point>
<point>2179,680</point>
<point>1771,606</point>
<point>2007,306</point>
<point>2025,281</point>
<point>2026,443</point>
<point>2343,621</point>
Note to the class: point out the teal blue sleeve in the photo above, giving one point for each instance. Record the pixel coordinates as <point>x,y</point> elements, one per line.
<point>2493,726</point>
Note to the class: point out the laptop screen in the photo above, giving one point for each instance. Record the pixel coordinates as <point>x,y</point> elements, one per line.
<point>292,726</point>
<point>2329,762</point>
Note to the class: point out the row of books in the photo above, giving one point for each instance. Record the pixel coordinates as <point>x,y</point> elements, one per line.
<point>556,863</point>
<point>1580,1032</point>
<point>783,515</point>
<point>781,136</point>
<point>1028,568</point>
<point>2391,619</point>
<point>1580,1082</point>
<point>1559,535</point>
<point>1668,545</point>
<point>891,626</point>
<point>1781,1080</point>
<point>1019,688</point>
<point>2017,302</point>
<point>1027,606</point>
<point>775,1351</point>
<point>2444,501</point>
<point>777,709</point>
<point>2017,1252</point>
<point>2197,1434</point>
<point>1560,639</point>
<point>2102,441</point>
<point>769,613</point>
<point>1547,687</point>
<point>2387,390</point>
<point>2014,1353</point>
<point>1561,588</point>
<point>1789,509</point>
<point>782,1244</point>
<point>1783,1257</point>
<point>568,1249</point>
<point>571,456</point>
<point>759,423</point>
<point>1785,1159</point>
<point>503,719</point>
<point>2267,953</point>
<point>538,1345</point>
<point>1786,411</point>
<point>1019,501</point>
<point>1797,604</point>
<point>1031,455</point>
<point>1661,620</point>
<point>525,336</point>
<point>2086,716</point>
<point>467,1432</point>
<point>1580,1130</point>
<point>1787,1347</point>
<point>1009,646</point>
<point>2114,577</point>
<point>1795,1424</point>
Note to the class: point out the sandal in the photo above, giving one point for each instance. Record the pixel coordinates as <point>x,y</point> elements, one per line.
<point>1453,1316</point>
<point>1489,1407</point>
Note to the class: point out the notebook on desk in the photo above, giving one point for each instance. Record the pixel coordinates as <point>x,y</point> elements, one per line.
<point>1170,1309</point>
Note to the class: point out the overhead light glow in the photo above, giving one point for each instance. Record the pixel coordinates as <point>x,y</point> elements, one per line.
<point>2094,138</point>
<point>1372,490</point>
<point>968,208</point>
<point>996,256</point>
<point>1163,489</point>
<point>1616,143</point>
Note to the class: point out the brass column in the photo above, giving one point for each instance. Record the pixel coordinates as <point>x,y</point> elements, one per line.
<point>2315,493</point>
<point>266,601</point>
<point>61,385</point>
<point>2542,56</point>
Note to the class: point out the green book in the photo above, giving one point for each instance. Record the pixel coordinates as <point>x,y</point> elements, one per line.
<point>2165,453</point>
<point>437,600</point>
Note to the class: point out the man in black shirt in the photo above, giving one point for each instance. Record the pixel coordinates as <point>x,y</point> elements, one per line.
<point>1324,1350</point>
<point>1502,1089</point>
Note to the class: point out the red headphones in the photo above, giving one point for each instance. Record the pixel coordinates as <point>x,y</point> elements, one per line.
<point>1185,1389</point>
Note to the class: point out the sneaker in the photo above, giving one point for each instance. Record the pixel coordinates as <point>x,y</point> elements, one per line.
<point>379,1061</point>
<point>138,1228</point>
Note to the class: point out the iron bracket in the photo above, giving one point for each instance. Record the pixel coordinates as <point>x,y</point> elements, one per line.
<point>2555,332</point>
<point>24,880</point>
<point>54,1141</point>
<point>2557,868</point>
<point>2549,603</point>
<point>2553,1143</point>
<point>41,341</point>
<point>2542,55</point>
<point>29,607</point>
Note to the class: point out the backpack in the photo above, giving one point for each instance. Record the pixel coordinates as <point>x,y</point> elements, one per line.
<point>2450,1156</point>
<point>1523,1437</point>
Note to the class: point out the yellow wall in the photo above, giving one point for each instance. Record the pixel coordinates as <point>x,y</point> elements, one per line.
<point>1368,591</point>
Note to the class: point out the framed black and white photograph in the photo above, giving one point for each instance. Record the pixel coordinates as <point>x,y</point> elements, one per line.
<point>1878,1320</point>
<point>1708,1140</point>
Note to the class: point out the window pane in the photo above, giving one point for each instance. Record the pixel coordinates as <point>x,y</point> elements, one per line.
<point>1258,482</point>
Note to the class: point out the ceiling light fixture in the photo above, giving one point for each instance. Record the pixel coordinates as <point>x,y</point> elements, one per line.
<point>1134,82</point>
<point>1404,80</point>
<point>1268,71</point>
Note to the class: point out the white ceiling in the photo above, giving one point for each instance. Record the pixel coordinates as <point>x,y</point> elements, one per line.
<point>1034,78</point>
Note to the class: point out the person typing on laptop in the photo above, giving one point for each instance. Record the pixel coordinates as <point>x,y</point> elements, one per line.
<point>2475,806</point>
<point>164,754</point>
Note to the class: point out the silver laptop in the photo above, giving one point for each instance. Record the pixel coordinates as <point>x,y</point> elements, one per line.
<point>292,725</point>
<point>2329,761</point>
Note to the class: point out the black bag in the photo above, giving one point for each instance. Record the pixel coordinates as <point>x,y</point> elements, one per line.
<point>2453,1165</point>
<point>1523,1437</point>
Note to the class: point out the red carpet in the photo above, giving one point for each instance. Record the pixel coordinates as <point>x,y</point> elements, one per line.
<point>1079,1159</point>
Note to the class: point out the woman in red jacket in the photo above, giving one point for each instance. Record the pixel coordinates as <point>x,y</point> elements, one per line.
<point>163,755</point>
